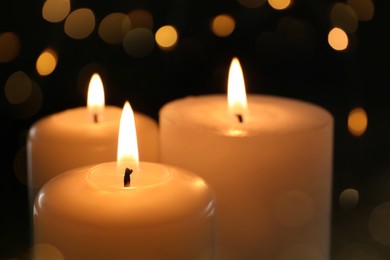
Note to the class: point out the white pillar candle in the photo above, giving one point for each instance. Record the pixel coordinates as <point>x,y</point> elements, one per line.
<point>82,136</point>
<point>272,172</point>
<point>91,213</point>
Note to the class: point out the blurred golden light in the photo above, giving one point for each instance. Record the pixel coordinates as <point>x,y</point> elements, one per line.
<point>223,25</point>
<point>364,9</point>
<point>338,39</point>
<point>357,251</point>
<point>166,37</point>
<point>379,223</point>
<point>280,4</point>
<point>252,3</point>
<point>55,10</point>
<point>141,18</point>
<point>344,17</point>
<point>114,27</point>
<point>20,165</point>
<point>24,96</point>
<point>80,23</point>
<point>348,199</point>
<point>139,42</point>
<point>9,46</point>
<point>357,121</point>
<point>46,62</point>
<point>18,87</point>
<point>46,251</point>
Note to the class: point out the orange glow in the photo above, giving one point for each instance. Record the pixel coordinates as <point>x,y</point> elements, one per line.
<point>95,101</point>
<point>236,89</point>
<point>127,141</point>
<point>338,39</point>
<point>357,121</point>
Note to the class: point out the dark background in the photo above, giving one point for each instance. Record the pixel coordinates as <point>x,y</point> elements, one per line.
<point>306,69</point>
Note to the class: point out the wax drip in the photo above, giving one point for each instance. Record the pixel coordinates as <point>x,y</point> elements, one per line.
<point>240,118</point>
<point>126,179</point>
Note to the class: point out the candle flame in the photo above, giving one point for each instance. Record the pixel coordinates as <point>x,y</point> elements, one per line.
<point>236,89</point>
<point>95,100</point>
<point>127,141</point>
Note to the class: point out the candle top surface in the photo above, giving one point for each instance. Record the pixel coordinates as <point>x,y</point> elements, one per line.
<point>77,124</point>
<point>266,115</point>
<point>94,195</point>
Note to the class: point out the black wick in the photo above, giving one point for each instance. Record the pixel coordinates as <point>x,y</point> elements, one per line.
<point>126,179</point>
<point>240,118</point>
<point>95,118</point>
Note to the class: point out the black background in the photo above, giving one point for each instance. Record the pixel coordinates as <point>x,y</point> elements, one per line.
<point>309,70</point>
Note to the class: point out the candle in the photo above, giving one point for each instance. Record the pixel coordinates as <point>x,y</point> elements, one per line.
<point>270,163</point>
<point>126,209</point>
<point>82,136</point>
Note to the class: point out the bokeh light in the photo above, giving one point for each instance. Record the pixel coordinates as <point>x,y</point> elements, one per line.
<point>141,19</point>
<point>378,187</point>
<point>357,121</point>
<point>280,4</point>
<point>338,39</point>
<point>348,199</point>
<point>364,9</point>
<point>9,46</point>
<point>18,87</point>
<point>166,37</point>
<point>114,27</point>
<point>379,223</point>
<point>24,96</point>
<point>20,165</point>
<point>357,251</point>
<point>55,10</point>
<point>80,23</point>
<point>46,62</point>
<point>293,208</point>
<point>223,25</point>
<point>139,42</point>
<point>46,251</point>
<point>252,3</point>
<point>344,17</point>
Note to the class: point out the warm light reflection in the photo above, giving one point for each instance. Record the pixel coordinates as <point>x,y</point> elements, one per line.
<point>338,39</point>
<point>223,25</point>
<point>364,9</point>
<point>343,16</point>
<point>348,199</point>
<point>279,4</point>
<point>141,19</point>
<point>114,27</point>
<point>127,141</point>
<point>357,121</point>
<point>55,10</point>
<point>166,37</point>
<point>80,23</point>
<point>46,62</point>
<point>236,89</point>
<point>9,46</point>
<point>95,100</point>
<point>139,42</point>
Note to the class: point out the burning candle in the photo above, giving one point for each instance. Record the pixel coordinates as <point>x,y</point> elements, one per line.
<point>82,136</point>
<point>269,160</point>
<point>126,209</point>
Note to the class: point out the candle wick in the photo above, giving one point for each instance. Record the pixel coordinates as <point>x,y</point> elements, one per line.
<point>126,179</point>
<point>95,118</point>
<point>240,118</point>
